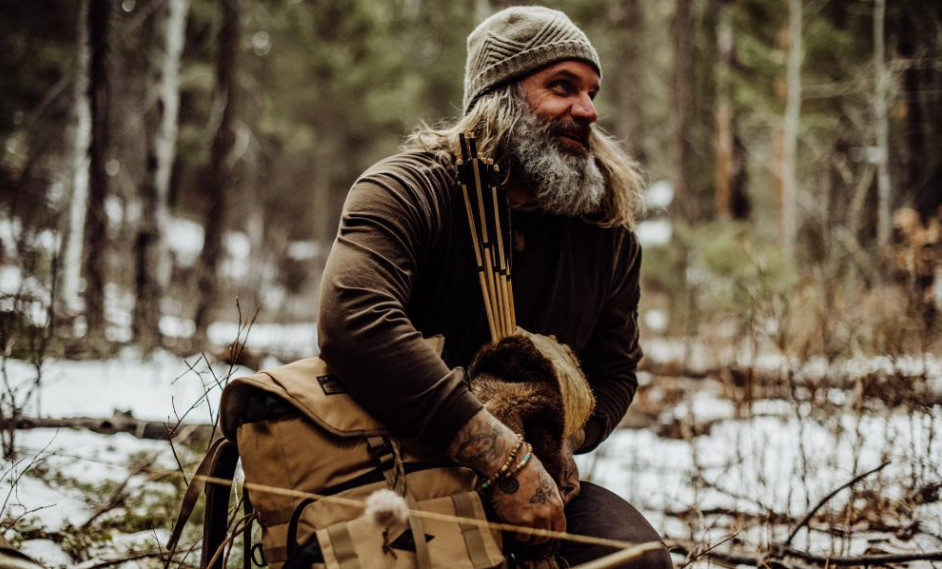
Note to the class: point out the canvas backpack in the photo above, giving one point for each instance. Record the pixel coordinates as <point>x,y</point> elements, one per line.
<point>296,429</point>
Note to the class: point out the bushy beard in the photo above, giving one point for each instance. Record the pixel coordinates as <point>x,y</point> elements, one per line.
<point>564,181</point>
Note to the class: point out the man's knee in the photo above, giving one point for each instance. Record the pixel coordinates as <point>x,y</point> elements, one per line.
<point>599,512</point>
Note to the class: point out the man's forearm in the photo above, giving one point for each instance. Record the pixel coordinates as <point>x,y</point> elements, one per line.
<point>483,444</point>
<point>528,497</point>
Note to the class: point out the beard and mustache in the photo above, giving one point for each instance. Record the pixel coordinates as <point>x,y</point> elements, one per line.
<point>564,181</point>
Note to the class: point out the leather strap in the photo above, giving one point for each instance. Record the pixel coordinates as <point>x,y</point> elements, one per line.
<point>216,517</point>
<point>473,540</point>
<point>206,468</point>
<point>247,530</point>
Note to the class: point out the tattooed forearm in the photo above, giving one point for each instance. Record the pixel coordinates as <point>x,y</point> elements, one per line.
<point>483,443</point>
<point>479,447</point>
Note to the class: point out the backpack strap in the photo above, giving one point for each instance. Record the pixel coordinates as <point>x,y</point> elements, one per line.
<point>210,466</point>
<point>216,516</point>
<point>417,525</point>
<point>387,458</point>
<point>247,530</point>
<point>472,533</point>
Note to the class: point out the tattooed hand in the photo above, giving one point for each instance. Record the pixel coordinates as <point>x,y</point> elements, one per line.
<point>530,498</point>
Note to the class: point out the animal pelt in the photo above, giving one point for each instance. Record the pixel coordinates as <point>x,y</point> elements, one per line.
<point>533,384</point>
<point>517,384</point>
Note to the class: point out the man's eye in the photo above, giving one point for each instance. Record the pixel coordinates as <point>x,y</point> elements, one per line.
<point>564,87</point>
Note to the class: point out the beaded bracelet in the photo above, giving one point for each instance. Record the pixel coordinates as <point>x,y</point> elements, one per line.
<point>502,471</point>
<point>523,462</point>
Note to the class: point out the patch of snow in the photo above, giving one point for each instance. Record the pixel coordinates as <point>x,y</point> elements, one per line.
<point>173,327</point>
<point>659,195</point>
<point>10,279</point>
<point>703,406</point>
<point>114,211</point>
<point>288,340</point>
<point>158,389</point>
<point>783,463</point>
<point>236,263</point>
<point>47,552</point>
<point>305,250</point>
<point>654,232</point>
<point>10,229</point>
<point>85,458</point>
<point>185,239</point>
<point>656,319</point>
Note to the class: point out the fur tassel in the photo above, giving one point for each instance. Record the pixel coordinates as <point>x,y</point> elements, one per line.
<point>387,509</point>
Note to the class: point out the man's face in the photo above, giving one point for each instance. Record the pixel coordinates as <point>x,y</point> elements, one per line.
<point>550,147</point>
<point>562,95</point>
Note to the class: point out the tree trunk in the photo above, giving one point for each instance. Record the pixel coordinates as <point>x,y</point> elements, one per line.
<point>99,21</point>
<point>629,125</point>
<point>78,204</point>
<point>881,125</point>
<point>682,149</point>
<point>790,134</point>
<point>220,175</point>
<point>152,273</point>
<point>723,196</point>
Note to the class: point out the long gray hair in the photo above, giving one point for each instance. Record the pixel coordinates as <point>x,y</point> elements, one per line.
<point>492,120</point>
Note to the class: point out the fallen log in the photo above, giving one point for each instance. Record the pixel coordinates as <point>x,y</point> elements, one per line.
<point>120,422</point>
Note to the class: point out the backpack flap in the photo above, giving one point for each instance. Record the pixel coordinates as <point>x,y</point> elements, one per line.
<point>310,387</point>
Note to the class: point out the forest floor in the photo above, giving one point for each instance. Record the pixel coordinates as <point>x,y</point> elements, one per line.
<point>726,468</point>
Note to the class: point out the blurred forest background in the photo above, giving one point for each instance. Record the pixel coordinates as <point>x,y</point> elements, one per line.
<point>172,174</point>
<point>161,158</point>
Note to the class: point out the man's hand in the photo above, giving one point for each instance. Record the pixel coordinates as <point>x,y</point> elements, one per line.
<point>569,483</point>
<point>530,497</point>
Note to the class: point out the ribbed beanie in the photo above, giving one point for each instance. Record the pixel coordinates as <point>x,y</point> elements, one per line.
<point>517,41</point>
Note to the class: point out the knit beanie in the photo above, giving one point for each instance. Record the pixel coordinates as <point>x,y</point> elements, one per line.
<point>517,41</point>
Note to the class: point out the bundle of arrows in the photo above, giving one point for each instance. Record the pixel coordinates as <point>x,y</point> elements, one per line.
<point>485,202</point>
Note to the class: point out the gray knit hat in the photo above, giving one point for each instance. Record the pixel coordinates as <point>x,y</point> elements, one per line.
<point>517,41</point>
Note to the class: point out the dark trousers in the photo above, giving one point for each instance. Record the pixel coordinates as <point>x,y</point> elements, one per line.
<point>601,513</point>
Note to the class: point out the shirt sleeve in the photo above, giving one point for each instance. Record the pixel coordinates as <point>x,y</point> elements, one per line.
<point>611,356</point>
<point>364,333</point>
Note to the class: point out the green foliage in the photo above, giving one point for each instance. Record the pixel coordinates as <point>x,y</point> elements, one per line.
<point>715,272</point>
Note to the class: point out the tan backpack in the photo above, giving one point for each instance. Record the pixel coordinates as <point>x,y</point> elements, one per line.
<point>296,429</point>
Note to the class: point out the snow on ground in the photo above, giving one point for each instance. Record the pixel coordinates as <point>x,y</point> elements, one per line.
<point>72,474</point>
<point>157,389</point>
<point>783,463</point>
<point>783,458</point>
<point>281,340</point>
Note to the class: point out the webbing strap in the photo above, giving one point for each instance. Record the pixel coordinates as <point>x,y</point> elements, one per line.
<point>422,558</point>
<point>464,508</point>
<point>342,543</point>
<point>385,454</point>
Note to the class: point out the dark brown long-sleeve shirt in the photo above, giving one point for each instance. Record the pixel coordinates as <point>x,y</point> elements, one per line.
<point>402,268</point>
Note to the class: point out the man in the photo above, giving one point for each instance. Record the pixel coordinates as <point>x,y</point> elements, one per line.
<point>402,269</point>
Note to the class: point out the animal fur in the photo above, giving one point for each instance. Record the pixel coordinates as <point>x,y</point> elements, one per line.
<point>525,387</point>
<point>533,385</point>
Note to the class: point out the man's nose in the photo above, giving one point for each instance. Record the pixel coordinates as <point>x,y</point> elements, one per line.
<point>584,108</point>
